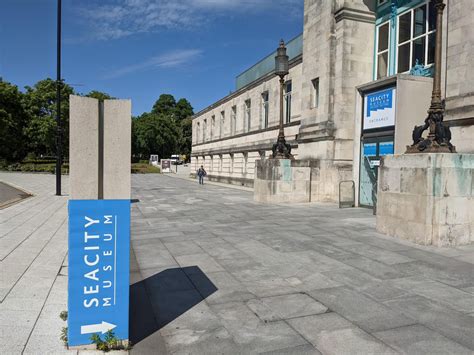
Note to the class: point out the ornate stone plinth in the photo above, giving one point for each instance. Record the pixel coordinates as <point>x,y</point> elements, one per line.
<point>427,198</point>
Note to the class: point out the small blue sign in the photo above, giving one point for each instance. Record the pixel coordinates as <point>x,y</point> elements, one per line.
<point>99,259</point>
<point>386,148</point>
<point>379,101</point>
<point>370,149</point>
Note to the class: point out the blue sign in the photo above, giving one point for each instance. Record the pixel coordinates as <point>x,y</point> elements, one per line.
<point>380,109</point>
<point>370,149</point>
<point>99,259</point>
<point>379,101</point>
<point>386,148</point>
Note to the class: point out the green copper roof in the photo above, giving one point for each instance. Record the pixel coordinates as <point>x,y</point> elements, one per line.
<point>267,64</point>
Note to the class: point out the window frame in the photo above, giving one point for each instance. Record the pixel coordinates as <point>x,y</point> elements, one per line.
<point>204,130</point>
<point>412,39</point>
<point>388,50</point>
<point>248,113</point>
<point>221,126</point>
<point>213,126</point>
<point>265,108</point>
<point>315,93</point>
<point>233,120</point>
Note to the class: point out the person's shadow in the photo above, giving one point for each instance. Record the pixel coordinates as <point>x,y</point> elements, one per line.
<point>159,299</point>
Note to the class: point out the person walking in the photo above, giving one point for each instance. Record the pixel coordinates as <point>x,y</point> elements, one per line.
<point>201,173</point>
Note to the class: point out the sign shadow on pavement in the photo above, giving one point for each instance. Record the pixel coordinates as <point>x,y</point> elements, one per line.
<point>161,298</point>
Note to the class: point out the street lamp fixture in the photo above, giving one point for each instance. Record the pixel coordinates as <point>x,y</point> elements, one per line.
<point>439,136</point>
<point>281,149</point>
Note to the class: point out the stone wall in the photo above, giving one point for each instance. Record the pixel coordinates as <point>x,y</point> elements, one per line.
<point>427,198</point>
<point>283,181</point>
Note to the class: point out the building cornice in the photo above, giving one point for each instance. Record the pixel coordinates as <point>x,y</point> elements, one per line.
<point>354,15</point>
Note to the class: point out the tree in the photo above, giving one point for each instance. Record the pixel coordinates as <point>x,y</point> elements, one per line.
<point>155,134</point>
<point>183,110</point>
<point>186,136</point>
<point>40,101</point>
<point>13,119</point>
<point>165,105</point>
<point>99,95</point>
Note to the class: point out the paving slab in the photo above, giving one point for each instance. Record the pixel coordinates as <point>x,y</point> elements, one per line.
<point>332,334</point>
<point>366,313</point>
<point>417,339</point>
<point>252,334</point>
<point>270,309</point>
<point>454,325</point>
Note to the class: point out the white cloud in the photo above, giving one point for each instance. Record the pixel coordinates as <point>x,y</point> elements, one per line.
<point>114,19</point>
<point>171,59</point>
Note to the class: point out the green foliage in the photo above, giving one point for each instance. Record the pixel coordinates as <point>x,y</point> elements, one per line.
<point>165,105</point>
<point>13,119</point>
<point>186,136</point>
<point>183,110</point>
<point>167,130</point>
<point>40,101</point>
<point>110,342</point>
<point>63,315</point>
<point>28,126</point>
<point>155,134</point>
<point>35,168</point>
<point>99,95</point>
<point>145,168</point>
<point>63,336</point>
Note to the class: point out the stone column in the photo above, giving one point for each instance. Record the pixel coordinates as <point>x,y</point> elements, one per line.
<point>99,148</point>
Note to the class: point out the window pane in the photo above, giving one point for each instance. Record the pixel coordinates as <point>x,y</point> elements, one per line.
<point>404,58</point>
<point>288,86</point>
<point>431,48</point>
<point>432,17</point>
<point>382,61</point>
<point>419,51</point>
<point>404,31</point>
<point>419,24</point>
<point>383,37</point>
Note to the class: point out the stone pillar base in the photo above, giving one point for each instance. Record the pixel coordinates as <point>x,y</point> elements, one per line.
<point>282,181</point>
<point>427,198</point>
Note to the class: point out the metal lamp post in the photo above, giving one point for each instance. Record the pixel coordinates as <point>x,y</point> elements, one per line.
<point>59,143</point>
<point>281,149</point>
<point>439,136</point>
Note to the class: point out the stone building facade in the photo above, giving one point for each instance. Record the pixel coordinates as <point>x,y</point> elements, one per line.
<point>350,50</point>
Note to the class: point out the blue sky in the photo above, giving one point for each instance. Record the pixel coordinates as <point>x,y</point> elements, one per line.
<point>139,49</point>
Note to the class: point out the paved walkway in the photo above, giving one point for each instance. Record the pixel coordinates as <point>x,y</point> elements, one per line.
<point>215,273</point>
<point>33,281</point>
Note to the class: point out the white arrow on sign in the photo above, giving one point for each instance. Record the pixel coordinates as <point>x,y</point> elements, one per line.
<point>103,328</point>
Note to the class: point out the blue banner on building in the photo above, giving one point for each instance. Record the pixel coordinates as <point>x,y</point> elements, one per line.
<point>99,259</point>
<point>379,101</point>
<point>380,109</point>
